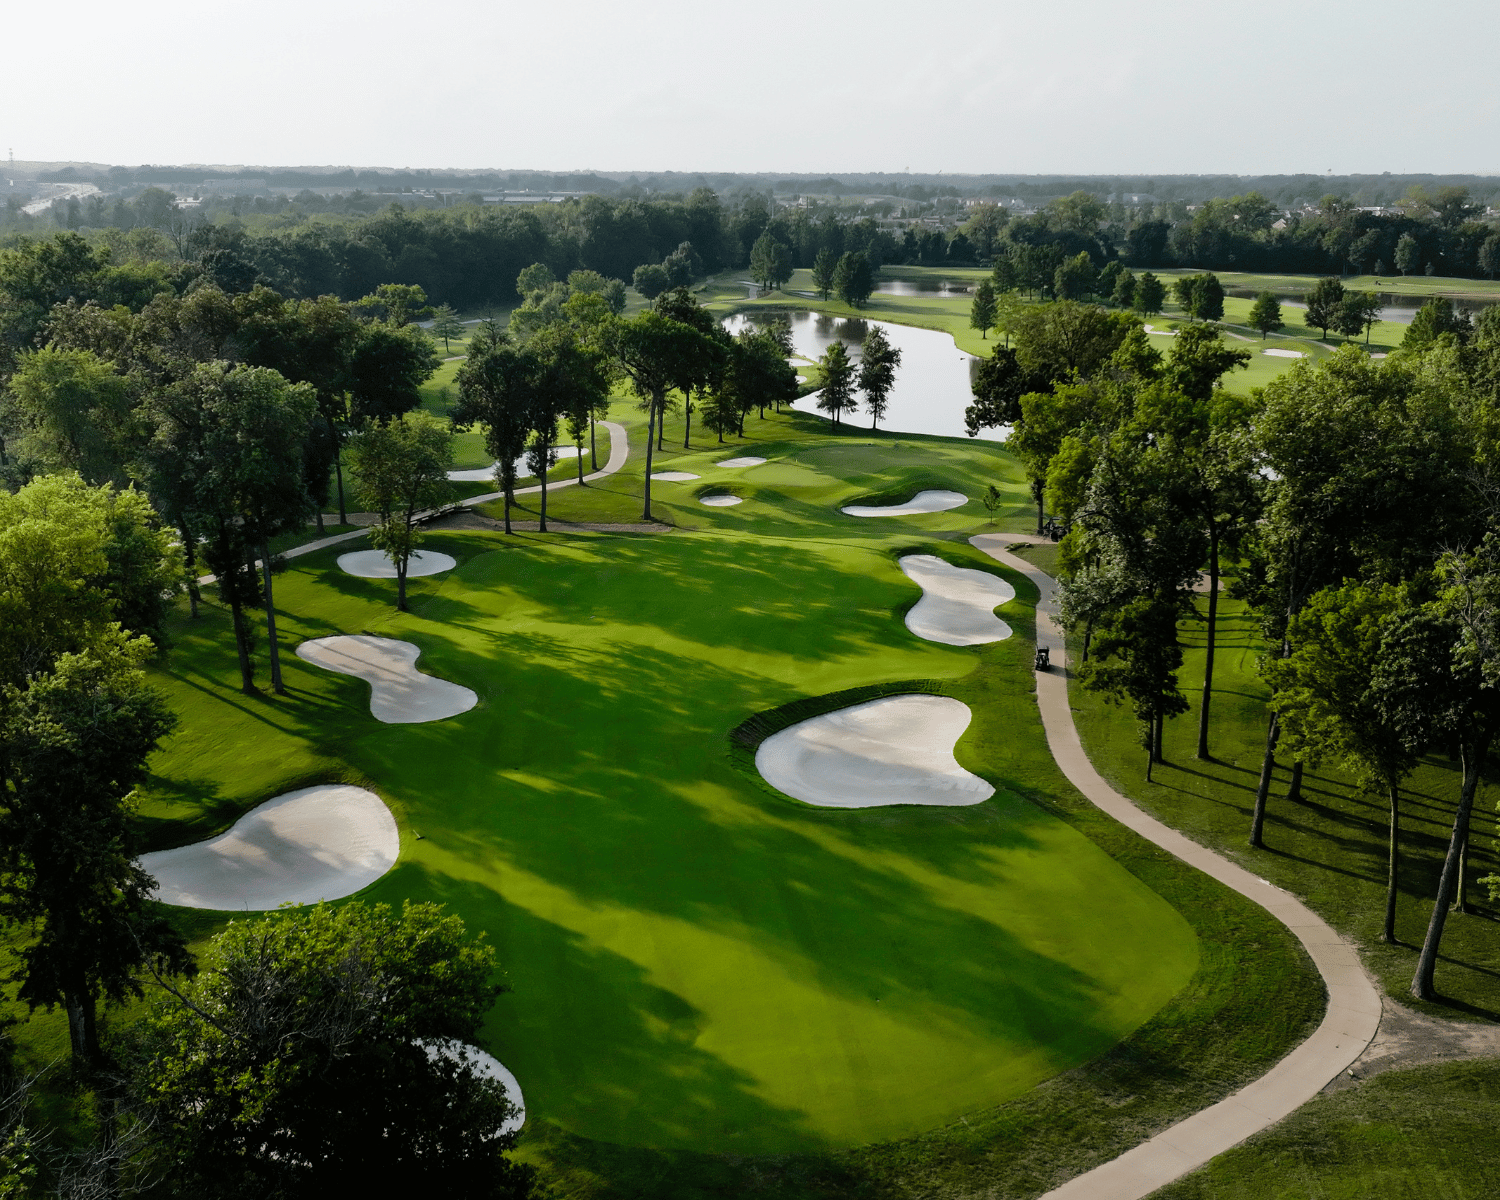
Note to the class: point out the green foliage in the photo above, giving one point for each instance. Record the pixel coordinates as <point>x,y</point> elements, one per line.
<point>1434,319</point>
<point>1066,339</point>
<point>825,271</point>
<point>1123,294</point>
<point>854,279</point>
<point>446,325</point>
<point>69,410</point>
<point>1324,302</point>
<point>982,312</point>
<point>1265,314</point>
<point>837,394</point>
<point>396,304</point>
<point>1075,278</point>
<point>304,1057</point>
<point>878,361</point>
<point>1150,295</point>
<point>75,743</point>
<point>650,280</point>
<point>770,262</point>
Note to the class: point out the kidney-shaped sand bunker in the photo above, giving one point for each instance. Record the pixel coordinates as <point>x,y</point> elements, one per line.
<point>399,693</point>
<point>317,843</point>
<point>923,502</point>
<point>895,750</point>
<point>958,604</point>
<point>373,564</point>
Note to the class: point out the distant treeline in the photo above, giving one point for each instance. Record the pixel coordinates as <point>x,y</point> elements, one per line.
<point>470,255</point>
<point>1285,190</point>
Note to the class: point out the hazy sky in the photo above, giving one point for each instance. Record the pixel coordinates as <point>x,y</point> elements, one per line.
<point>1149,86</point>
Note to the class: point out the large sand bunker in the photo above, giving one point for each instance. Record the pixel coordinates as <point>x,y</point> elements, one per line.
<point>1278,353</point>
<point>922,502</point>
<point>958,604</point>
<point>674,476</point>
<point>399,693</point>
<point>747,461</point>
<point>317,843</point>
<point>487,474</point>
<point>720,501</point>
<point>486,1066</point>
<point>895,750</point>
<point>373,564</point>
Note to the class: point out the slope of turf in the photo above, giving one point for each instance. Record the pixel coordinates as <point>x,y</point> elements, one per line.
<point>695,960</point>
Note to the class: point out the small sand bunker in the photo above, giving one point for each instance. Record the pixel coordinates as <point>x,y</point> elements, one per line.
<point>317,843</point>
<point>748,461</point>
<point>922,502</point>
<point>674,476</point>
<point>487,1066</point>
<point>1284,353</point>
<point>958,604</point>
<point>487,474</point>
<point>373,564</point>
<point>895,750</point>
<point>399,693</point>
<point>720,501</point>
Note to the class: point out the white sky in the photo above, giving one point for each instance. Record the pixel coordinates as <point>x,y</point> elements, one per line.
<point>1137,86</point>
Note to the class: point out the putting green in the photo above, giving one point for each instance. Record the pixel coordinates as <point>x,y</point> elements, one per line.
<point>695,960</point>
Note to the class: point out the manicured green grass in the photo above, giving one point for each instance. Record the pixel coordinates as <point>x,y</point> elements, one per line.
<point>703,969</point>
<point>1329,849</point>
<point>1418,286</point>
<point>1406,1135</point>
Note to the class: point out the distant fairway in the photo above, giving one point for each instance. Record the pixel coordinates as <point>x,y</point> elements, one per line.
<point>695,960</point>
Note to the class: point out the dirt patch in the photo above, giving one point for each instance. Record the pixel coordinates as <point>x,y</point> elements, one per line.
<point>1410,1039</point>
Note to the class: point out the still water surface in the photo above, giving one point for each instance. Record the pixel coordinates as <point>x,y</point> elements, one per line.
<point>933,382</point>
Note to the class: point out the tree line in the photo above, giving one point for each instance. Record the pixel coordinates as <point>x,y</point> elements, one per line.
<point>1357,499</point>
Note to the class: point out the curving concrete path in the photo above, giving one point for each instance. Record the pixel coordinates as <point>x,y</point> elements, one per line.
<point>619,451</point>
<point>1353,1013</point>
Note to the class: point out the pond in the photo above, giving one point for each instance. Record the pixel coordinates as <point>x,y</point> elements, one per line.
<point>922,287</point>
<point>933,382</point>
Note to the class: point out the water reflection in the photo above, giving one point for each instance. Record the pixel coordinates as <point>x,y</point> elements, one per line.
<point>922,287</point>
<point>933,382</point>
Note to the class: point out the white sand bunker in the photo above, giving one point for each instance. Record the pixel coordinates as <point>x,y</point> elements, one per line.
<point>922,502</point>
<point>486,1066</point>
<point>487,474</point>
<point>720,501</point>
<point>673,476</point>
<point>957,606</point>
<point>1284,353</point>
<point>740,462</point>
<point>399,693</point>
<point>373,564</point>
<point>896,750</point>
<point>317,843</point>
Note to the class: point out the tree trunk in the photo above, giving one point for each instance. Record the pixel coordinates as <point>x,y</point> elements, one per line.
<point>318,516</point>
<point>650,439</point>
<point>338,473</point>
<point>1036,492</point>
<point>508,489</point>
<point>1156,737</point>
<point>1388,930</point>
<point>83,1026</point>
<point>1294,790</point>
<point>1268,763</point>
<point>242,645</point>
<point>401,585</point>
<point>1208,658</point>
<point>265,567</point>
<point>593,445</point>
<point>1473,758</point>
<point>190,561</point>
<point>1461,897</point>
<point>580,467</point>
<point>1150,756</point>
<point>543,526</point>
<point>687,430</point>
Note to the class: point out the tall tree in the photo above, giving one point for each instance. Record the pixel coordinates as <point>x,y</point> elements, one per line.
<point>1331,701</point>
<point>446,325</point>
<point>982,312</point>
<point>1408,254</point>
<point>854,279</point>
<point>227,445</point>
<point>878,361</point>
<point>496,390</point>
<point>837,394</point>
<point>1323,303</point>
<point>1150,295</point>
<point>1265,314</point>
<point>824,271</point>
<point>770,262</point>
<point>73,747</point>
<point>401,466</point>
<point>69,410</point>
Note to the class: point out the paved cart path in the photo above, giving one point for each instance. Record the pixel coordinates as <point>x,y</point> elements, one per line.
<point>619,451</point>
<point>1353,1012</point>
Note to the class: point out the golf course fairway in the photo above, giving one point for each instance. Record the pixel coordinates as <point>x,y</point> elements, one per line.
<point>693,959</point>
